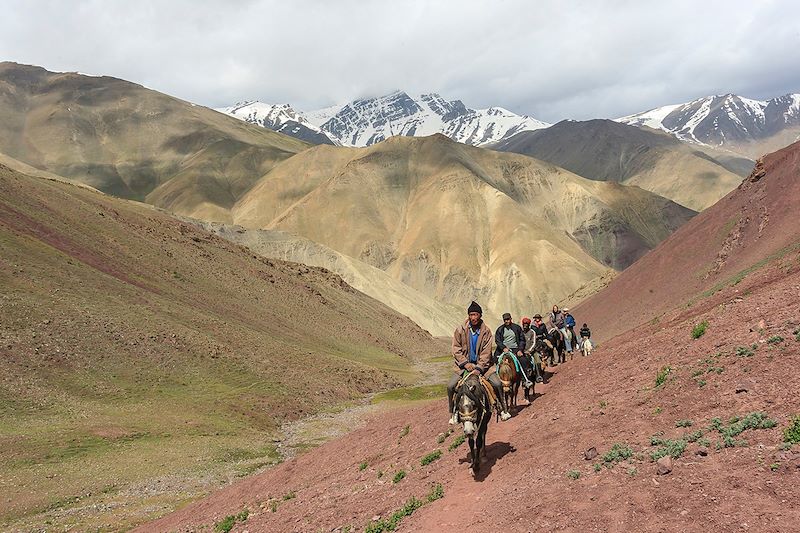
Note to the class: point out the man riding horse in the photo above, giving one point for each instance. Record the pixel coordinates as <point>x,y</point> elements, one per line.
<point>509,337</point>
<point>472,352</point>
<point>530,348</point>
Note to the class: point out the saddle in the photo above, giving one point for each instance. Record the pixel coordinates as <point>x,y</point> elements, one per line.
<point>486,386</point>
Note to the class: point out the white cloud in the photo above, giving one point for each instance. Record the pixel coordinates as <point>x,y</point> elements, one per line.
<point>549,59</point>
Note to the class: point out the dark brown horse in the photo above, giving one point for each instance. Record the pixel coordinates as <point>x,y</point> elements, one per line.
<point>474,412</point>
<point>559,346</point>
<point>510,378</point>
<point>528,366</point>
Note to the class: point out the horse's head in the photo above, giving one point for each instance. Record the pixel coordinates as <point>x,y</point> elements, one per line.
<point>507,373</point>
<point>470,404</point>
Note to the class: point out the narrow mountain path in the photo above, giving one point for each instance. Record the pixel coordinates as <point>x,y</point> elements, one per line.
<point>465,492</point>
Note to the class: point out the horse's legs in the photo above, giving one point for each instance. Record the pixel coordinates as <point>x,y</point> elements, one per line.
<point>475,451</point>
<point>472,450</point>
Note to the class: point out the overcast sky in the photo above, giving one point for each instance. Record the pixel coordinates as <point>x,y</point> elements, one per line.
<point>548,59</point>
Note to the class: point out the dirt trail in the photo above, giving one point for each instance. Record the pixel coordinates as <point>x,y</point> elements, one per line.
<point>465,491</point>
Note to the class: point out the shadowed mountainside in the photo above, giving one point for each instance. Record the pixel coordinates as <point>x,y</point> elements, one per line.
<point>135,347</point>
<point>605,150</point>
<point>460,223</point>
<point>133,142</point>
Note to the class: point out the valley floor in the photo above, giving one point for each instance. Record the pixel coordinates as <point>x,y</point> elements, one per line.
<point>654,392</point>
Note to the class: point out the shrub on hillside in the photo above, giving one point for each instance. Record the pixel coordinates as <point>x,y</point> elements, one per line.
<point>791,434</point>
<point>700,329</point>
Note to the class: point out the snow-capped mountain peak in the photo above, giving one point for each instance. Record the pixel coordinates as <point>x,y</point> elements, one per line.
<point>721,119</point>
<point>366,121</point>
<point>279,117</point>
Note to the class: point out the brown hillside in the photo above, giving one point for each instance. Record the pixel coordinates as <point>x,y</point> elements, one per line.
<point>133,142</point>
<point>139,353</point>
<point>460,223</point>
<point>535,476</point>
<point>754,223</point>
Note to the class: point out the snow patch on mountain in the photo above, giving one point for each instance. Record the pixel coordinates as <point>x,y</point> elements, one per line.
<point>366,121</point>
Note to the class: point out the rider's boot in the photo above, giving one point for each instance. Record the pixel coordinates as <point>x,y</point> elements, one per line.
<point>454,419</point>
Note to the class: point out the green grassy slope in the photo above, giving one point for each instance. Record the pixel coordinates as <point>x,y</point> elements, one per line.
<point>134,348</point>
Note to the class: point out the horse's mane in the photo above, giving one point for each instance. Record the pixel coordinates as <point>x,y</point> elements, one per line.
<point>478,395</point>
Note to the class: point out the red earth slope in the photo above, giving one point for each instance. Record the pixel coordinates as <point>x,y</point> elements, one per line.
<point>535,475</point>
<point>758,220</point>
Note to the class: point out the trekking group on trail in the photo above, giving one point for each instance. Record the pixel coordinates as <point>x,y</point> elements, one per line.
<point>530,346</point>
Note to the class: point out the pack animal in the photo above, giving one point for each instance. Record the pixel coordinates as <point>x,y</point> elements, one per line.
<point>510,378</point>
<point>474,412</point>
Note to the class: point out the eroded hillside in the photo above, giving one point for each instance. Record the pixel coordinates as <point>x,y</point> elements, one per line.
<point>460,223</point>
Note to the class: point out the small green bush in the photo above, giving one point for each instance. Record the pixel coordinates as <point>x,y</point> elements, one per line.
<point>617,453</point>
<point>694,436</point>
<point>226,524</point>
<point>791,434</point>
<point>458,441</point>
<point>362,466</point>
<point>398,477</point>
<point>673,448</point>
<point>775,339</point>
<point>598,467</point>
<point>684,424</point>
<point>662,375</point>
<point>744,351</point>
<point>573,474</point>
<point>436,493</point>
<point>391,523</point>
<point>431,457</point>
<point>700,329</point>
<point>289,496</point>
<point>405,431</point>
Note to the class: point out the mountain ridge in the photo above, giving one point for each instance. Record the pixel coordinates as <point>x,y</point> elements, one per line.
<point>728,121</point>
<point>366,121</point>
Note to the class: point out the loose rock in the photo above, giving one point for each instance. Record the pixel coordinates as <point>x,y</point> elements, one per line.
<point>590,454</point>
<point>664,465</point>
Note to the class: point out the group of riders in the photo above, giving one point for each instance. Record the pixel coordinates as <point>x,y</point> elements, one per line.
<point>531,346</point>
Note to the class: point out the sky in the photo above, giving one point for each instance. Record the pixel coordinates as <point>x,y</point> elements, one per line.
<point>548,59</point>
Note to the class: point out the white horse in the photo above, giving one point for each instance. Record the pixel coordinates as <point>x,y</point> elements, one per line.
<point>587,347</point>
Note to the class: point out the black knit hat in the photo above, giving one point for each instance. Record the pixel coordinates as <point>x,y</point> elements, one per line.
<point>474,308</point>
